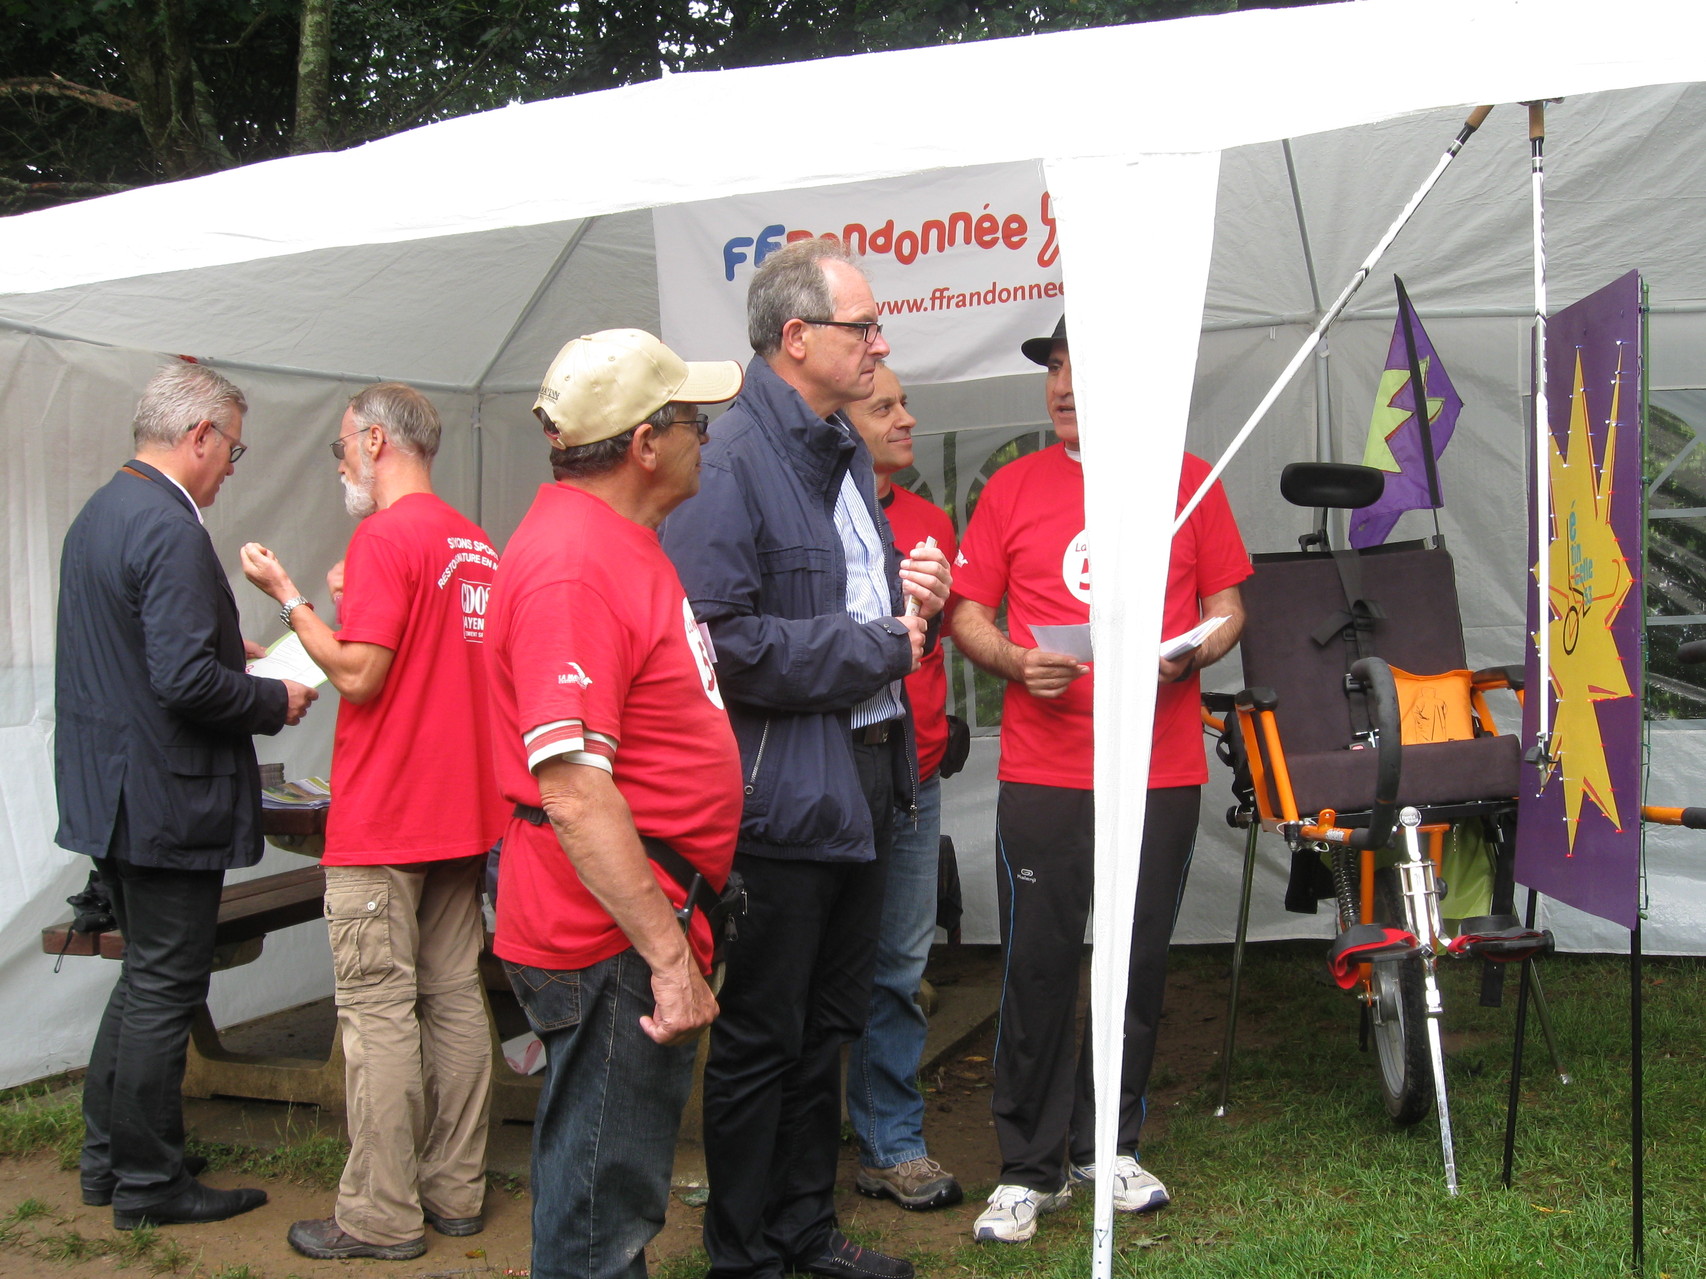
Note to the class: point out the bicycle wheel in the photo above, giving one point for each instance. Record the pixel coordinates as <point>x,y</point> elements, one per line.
<point>1398,1019</point>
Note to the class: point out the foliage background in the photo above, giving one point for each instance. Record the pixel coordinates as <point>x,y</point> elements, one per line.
<point>100,95</point>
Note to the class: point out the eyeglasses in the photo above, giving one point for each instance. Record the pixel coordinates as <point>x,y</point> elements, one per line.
<point>237,450</point>
<point>870,330</point>
<point>701,424</point>
<point>338,444</point>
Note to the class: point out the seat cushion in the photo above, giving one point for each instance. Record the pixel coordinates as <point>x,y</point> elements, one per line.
<point>1433,773</point>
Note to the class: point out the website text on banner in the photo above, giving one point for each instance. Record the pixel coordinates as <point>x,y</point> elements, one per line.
<point>964,263</point>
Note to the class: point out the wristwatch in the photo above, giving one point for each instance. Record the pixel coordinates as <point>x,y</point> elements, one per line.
<point>290,606</point>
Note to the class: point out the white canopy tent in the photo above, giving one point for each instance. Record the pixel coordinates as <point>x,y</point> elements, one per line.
<point>1198,246</point>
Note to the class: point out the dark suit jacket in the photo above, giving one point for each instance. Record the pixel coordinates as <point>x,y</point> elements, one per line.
<point>155,712</point>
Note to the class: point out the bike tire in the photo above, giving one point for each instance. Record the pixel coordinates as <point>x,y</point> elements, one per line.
<point>1398,1020</point>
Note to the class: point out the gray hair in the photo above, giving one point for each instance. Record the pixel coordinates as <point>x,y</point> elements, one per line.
<point>409,420</point>
<point>584,461</point>
<point>180,396</point>
<point>790,284</point>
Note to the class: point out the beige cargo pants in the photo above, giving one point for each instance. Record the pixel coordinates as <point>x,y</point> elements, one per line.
<point>417,1048</point>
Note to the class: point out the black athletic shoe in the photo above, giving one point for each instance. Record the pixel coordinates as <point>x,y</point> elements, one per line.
<point>844,1259</point>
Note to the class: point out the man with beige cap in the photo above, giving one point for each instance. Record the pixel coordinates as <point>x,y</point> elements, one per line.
<point>615,751</point>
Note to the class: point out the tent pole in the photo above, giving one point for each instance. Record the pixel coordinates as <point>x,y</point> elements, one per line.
<point>479,387</point>
<point>1541,752</point>
<point>1339,304</point>
<point>1254,829</point>
<point>479,437</point>
<point>1637,1164</point>
<point>526,312</point>
<point>1517,1044</point>
<point>1324,450</point>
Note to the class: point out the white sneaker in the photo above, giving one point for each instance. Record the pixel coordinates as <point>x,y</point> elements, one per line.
<point>1013,1211</point>
<point>1134,1189</point>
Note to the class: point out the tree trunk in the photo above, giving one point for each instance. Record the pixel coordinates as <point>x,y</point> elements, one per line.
<point>153,40</point>
<point>314,79</point>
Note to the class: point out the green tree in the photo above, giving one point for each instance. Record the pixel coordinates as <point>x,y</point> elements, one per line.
<point>100,95</point>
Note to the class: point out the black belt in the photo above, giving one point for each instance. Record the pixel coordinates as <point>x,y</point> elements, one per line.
<point>877,734</point>
<point>720,908</point>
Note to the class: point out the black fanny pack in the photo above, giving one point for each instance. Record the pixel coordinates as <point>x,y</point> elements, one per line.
<point>721,909</point>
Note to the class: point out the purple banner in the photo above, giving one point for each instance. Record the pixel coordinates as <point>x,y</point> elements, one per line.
<point>1395,437</point>
<point>1579,821</point>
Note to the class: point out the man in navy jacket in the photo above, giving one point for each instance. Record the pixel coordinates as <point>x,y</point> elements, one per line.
<point>788,562</point>
<point>156,776</point>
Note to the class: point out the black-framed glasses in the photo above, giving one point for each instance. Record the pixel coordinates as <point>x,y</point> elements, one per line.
<point>338,444</point>
<point>700,423</point>
<point>870,330</point>
<point>237,450</point>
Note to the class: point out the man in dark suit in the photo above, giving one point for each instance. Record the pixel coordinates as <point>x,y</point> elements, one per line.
<point>157,777</point>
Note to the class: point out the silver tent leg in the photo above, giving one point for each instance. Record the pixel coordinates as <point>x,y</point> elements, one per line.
<point>1423,908</point>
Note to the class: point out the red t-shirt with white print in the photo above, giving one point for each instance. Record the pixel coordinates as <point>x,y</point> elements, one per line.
<point>1026,542</point>
<point>595,655</point>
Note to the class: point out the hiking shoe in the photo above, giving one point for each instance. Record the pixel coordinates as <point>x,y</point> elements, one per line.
<point>325,1240</point>
<point>1134,1189</point>
<point>1013,1211</point>
<point>918,1184</point>
<point>454,1225</point>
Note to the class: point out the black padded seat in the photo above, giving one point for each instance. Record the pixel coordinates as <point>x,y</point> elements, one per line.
<point>1484,768</point>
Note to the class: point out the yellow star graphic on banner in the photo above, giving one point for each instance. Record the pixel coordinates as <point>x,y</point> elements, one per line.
<point>1388,417</point>
<point>1590,580</point>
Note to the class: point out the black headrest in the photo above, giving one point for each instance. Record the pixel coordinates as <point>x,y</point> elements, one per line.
<point>1336,484</point>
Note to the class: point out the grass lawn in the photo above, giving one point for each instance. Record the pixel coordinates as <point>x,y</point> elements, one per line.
<point>1306,1178</point>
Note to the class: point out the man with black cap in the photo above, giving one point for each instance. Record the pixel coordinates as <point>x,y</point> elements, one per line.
<point>1026,544</point>
<point>615,751</point>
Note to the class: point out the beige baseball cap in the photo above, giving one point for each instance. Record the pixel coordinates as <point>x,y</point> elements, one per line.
<point>609,382</point>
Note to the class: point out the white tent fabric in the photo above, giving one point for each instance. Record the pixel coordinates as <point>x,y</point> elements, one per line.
<point>1217,179</point>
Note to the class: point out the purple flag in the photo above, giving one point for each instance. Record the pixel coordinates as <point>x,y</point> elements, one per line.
<point>1395,436</point>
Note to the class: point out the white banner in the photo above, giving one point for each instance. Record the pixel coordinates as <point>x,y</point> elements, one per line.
<point>964,264</point>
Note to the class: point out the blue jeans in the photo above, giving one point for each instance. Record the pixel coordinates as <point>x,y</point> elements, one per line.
<point>604,1134</point>
<point>883,1101</point>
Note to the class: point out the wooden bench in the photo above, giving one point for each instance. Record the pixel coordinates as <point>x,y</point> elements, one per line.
<point>248,911</point>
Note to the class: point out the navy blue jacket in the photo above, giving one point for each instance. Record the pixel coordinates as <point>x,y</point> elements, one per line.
<point>154,710</point>
<point>765,571</point>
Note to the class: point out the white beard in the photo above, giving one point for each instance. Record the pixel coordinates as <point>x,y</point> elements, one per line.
<point>358,498</point>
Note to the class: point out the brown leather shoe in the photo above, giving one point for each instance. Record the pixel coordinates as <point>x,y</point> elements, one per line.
<point>454,1225</point>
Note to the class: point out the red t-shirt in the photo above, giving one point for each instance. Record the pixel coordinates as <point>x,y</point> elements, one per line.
<point>1026,541</point>
<point>912,519</point>
<point>595,654</point>
<point>412,768</point>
